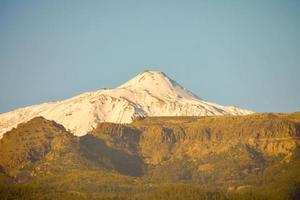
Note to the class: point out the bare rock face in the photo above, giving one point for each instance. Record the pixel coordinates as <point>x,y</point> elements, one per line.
<point>161,139</point>
<point>150,93</point>
<point>228,151</point>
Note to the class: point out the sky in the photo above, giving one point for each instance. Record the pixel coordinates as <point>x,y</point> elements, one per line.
<point>233,52</point>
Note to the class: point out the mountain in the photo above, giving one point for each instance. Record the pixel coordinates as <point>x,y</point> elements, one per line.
<point>196,149</point>
<point>150,93</point>
<point>38,146</point>
<point>41,147</point>
<point>213,157</point>
<point>42,154</point>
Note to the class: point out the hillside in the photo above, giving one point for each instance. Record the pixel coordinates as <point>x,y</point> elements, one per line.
<point>203,146</point>
<point>230,157</point>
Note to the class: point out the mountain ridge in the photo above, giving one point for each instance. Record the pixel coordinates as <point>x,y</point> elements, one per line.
<point>150,93</point>
<point>257,153</point>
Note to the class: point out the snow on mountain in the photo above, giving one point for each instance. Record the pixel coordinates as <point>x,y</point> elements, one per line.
<point>150,93</point>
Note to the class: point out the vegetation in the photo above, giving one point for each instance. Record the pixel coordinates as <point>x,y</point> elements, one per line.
<point>161,192</point>
<point>249,157</point>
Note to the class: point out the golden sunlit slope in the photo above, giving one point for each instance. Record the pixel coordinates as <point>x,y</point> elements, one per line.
<point>237,154</point>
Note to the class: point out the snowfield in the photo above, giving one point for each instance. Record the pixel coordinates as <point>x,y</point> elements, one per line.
<point>150,93</point>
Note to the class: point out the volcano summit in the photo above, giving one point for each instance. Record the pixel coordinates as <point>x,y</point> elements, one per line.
<point>150,93</point>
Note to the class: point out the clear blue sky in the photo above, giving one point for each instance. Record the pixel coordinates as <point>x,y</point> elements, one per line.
<point>244,53</point>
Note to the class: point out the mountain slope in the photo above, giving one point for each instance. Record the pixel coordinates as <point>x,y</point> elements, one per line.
<point>150,93</point>
<point>258,153</point>
<point>41,147</point>
<point>158,139</point>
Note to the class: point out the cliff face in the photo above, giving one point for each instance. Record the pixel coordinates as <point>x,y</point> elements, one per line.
<point>166,138</point>
<point>228,151</point>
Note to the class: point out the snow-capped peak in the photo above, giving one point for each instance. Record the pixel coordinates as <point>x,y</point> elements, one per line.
<point>150,93</point>
<point>159,84</point>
